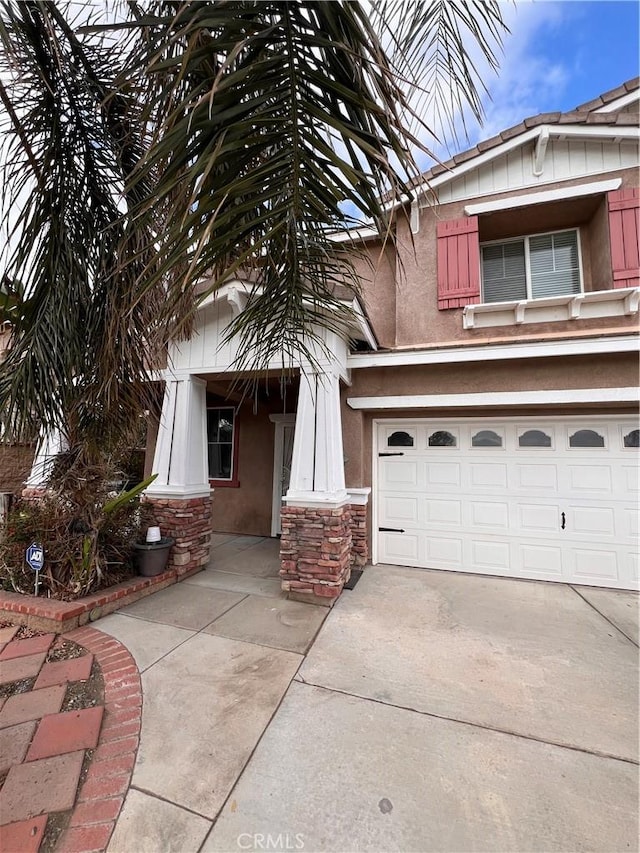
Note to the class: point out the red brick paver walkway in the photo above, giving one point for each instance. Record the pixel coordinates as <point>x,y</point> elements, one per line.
<point>43,749</point>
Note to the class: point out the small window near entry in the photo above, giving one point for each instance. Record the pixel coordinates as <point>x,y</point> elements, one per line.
<point>486,438</point>
<point>222,445</point>
<point>632,439</point>
<point>400,439</point>
<point>586,438</point>
<point>534,438</point>
<point>442,438</point>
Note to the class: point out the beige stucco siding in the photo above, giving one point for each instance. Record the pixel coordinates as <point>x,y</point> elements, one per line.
<point>246,508</point>
<point>418,320</point>
<point>376,273</point>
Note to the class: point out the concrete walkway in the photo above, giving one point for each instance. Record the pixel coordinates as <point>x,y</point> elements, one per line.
<point>217,653</point>
<point>434,711</point>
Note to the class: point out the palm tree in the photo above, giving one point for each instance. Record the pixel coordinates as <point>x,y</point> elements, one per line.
<point>185,142</point>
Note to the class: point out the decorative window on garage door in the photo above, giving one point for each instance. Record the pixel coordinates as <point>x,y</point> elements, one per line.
<point>400,439</point>
<point>487,438</point>
<point>586,438</point>
<point>632,439</point>
<point>534,438</point>
<point>442,438</point>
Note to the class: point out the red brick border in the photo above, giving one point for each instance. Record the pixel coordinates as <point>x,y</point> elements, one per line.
<point>100,798</point>
<point>49,614</point>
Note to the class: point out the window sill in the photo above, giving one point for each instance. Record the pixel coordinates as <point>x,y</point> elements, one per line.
<point>224,484</point>
<point>598,303</point>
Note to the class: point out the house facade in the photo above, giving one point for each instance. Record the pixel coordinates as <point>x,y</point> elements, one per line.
<point>480,415</point>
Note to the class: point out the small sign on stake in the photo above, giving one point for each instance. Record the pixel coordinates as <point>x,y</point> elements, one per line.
<point>35,560</point>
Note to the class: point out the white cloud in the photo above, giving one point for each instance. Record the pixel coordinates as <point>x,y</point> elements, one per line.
<point>527,80</point>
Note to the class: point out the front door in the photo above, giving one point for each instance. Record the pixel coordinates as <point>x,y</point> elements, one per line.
<point>283,453</point>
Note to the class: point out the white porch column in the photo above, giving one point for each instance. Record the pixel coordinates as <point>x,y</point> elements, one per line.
<point>49,446</point>
<point>317,469</point>
<point>180,458</point>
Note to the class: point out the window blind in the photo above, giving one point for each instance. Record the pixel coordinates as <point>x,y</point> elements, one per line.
<point>503,272</point>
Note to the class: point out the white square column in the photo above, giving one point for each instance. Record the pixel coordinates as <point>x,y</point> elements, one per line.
<point>180,458</point>
<point>317,468</point>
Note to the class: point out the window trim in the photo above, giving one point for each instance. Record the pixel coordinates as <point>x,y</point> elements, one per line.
<point>524,238</point>
<point>233,482</point>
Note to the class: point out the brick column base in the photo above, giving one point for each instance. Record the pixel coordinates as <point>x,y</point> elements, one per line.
<point>189,523</point>
<point>315,552</point>
<point>359,544</point>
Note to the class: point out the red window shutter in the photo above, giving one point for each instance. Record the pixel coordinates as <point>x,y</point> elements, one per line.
<point>624,213</point>
<point>458,263</point>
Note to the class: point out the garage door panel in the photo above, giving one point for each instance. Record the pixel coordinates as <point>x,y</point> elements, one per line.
<point>591,565</point>
<point>400,548</point>
<point>542,561</point>
<point>443,474</point>
<point>442,511</point>
<point>489,514</point>
<point>538,518</point>
<point>445,551</point>
<point>474,507</point>
<point>592,521</point>
<point>631,479</point>
<point>399,510</point>
<point>629,523</point>
<point>399,473</point>
<point>590,478</point>
<point>632,566</point>
<point>539,477</point>
<point>488,475</point>
<point>491,555</point>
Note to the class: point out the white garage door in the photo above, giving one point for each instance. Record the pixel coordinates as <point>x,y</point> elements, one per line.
<point>552,500</point>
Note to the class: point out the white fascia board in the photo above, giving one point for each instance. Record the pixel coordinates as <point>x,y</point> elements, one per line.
<point>481,159</point>
<point>594,131</point>
<point>498,398</point>
<point>364,325</point>
<point>353,235</point>
<point>586,131</point>
<point>593,188</point>
<point>496,352</point>
<point>619,103</point>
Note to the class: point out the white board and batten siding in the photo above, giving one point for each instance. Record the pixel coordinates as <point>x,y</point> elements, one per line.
<point>207,351</point>
<point>537,498</point>
<point>564,160</point>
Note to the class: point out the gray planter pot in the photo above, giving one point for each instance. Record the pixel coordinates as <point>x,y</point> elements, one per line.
<point>152,557</point>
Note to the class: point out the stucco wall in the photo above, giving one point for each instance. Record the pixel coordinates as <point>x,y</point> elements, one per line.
<point>247,508</point>
<point>616,370</point>
<point>599,245</point>
<point>418,320</point>
<point>377,274</point>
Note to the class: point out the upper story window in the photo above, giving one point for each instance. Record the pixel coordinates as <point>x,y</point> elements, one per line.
<point>531,267</point>
<point>222,443</point>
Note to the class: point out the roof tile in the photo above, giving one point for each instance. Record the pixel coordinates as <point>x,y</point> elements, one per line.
<point>582,114</point>
<point>489,143</point>
<point>542,118</point>
<point>463,156</point>
<point>510,132</point>
<point>612,94</point>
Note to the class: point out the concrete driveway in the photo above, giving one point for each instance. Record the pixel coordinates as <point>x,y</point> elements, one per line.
<point>450,712</point>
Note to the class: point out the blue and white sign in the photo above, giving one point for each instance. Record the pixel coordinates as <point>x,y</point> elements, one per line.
<point>35,556</point>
